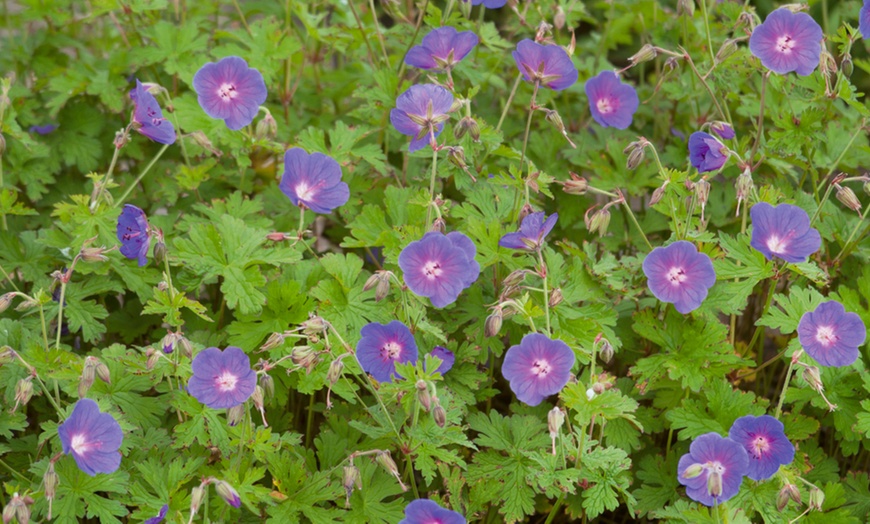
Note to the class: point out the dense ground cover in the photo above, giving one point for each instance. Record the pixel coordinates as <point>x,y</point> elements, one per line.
<point>357,261</point>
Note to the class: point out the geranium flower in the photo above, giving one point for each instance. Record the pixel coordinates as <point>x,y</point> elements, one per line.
<point>92,437</point>
<point>439,266</point>
<point>765,442</point>
<point>548,65</point>
<point>831,335</point>
<point>489,4</point>
<point>382,345</point>
<point>441,49</point>
<point>43,130</point>
<point>680,275</point>
<point>134,234</point>
<point>706,153</point>
<point>425,511</point>
<point>420,113</point>
<point>783,231</point>
<point>222,379</point>
<point>723,130</point>
<point>313,181</point>
<point>713,469</point>
<point>148,116</point>
<point>533,231</point>
<point>537,368</point>
<point>230,90</point>
<point>864,20</point>
<point>611,102</point>
<point>446,356</point>
<point>160,516</point>
<point>787,42</point>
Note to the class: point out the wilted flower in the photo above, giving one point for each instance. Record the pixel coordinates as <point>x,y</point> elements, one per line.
<point>446,356</point>
<point>149,117</point>
<point>425,511</point>
<point>723,130</point>
<point>439,266</point>
<point>831,335</point>
<point>222,379</point>
<point>548,65</point>
<point>680,275</point>
<point>420,113</point>
<point>160,516</point>
<point>134,234</point>
<point>765,441</point>
<point>533,231</point>
<point>313,180</point>
<point>706,153</point>
<point>92,437</point>
<point>787,42</point>
<point>382,345</point>
<point>611,102</point>
<point>783,231</point>
<point>713,469</point>
<point>230,90</point>
<point>537,368</point>
<point>441,49</point>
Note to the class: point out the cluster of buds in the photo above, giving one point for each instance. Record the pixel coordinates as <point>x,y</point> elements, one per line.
<point>468,125</point>
<point>93,368</point>
<point>636,152</point>
<point>380,281</point>
<point>597,221</point>
<point>788,492</point>
<point>602,383</point>
<point>555,419</point>
<point>305,357</point>
<point>18,508</point>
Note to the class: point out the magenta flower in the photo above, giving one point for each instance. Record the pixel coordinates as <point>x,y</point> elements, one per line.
<point>533,230</point>
<point>765,442</point>
<point>787,42</point>
<point>611,102</point>
<point>230,90</point>
<point>489,4</point>
<point>134,234</point>
<point>441,49</point>
<point>706,153</point>
<point>713,469</point>
<point>439,266</point>
<point>160,516</point>
<point>446,356</point>
<point>420,113</point>
<point>222,379</point>
<point>680,275</point>
<point>313,181</point>
<point>548,65</point>
<point>425,511</point>
<point>382,345</point>
<point>783,231</point>
<point>864,20</point>
<point>831,335</point>
<point>722,129</point>
<point>92,437</point>
<point>148,117</point>
<point>43,130</point>
<point>537,368</point>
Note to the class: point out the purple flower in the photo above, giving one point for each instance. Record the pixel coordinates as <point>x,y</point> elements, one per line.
<point>134,234</point>
<point>537,368</point>
<point>533,231</point>
<point>222,379</point>
<point>548,65</point>
<point>92,437</point>
<point>713,469</point>
<point>831,335</point>
<point>787,42</point>
<point>382,345</point>
<point>783,231</point>
<point>441,49</point>
<point>160,516</point>
<point>439,266</point>
<point>43,130</point>
<point>765,442</point>
<point>706,153</point>
<point>313,181</point>
<point>864,20</point>
<point>425,511</point>
<point>489,4</point>
<point>678,274</point>
<point>230,90</point>
<point>420,113</point>
<point>611,102</point>
<point>148,116</point>
<point>446,356</point>
<point>722,129</point>
<point>228,493</point>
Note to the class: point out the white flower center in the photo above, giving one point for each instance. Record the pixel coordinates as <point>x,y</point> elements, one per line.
<point>605,107</point>
<point>227,92</point>
<point>785,44</point>
<point>227,381</point>
<point>776,244</point>
<point>759,446</point>
<point>432,270</point>
<point>79,444</point>
<point>391,351</point>
<point>541,368</point>
<point>826,336</point>
<point>303,192</point>
<point>676,276</point>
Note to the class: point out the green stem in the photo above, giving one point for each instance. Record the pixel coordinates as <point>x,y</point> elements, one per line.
<point>636,223</point>
<point>378,31</point>
<point>788,373</point>
<point>309,423</point>
<point>242,16</point>
<point>706,86</point>
<point>108,178</point>
<point>44,327</point>
<point>365,36</point>
<point>848,243</point>
<point>301,229</point>
<point>526,140</point>
<point>15,472</point>
<point>707,29</point>
<point>141,175</point>
<point>432,186</point>
<point>2,215</point>
<point>543,273</point>
<point>60,313</point>
<point>8,278</point>
<point>555,509</point>
<point>834,167</point>
<point>411,42</point>
<point>759,329</point>
<point>760,124</point>
<point>508,103</point>
<point>178,130</point>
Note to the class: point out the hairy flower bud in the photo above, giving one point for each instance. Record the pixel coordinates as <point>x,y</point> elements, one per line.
<point>50,482</point>
<point>23,392</point>
<point>274,340</point>
<point>576,186</point>
<point>813,378</point>
<point>268,385</point>
<point>168,342</point>
<point>635,157</point>
<point>89,373</point>
<point>305,357</point>
<point>6,301</point>
<point>159,252</point>
<point>816,499</point>
<point>467,125</point>
<point>439,225</point>
<point>729,47</point>
<point>235,415</point>
<point>423,395</point>
<point>27,304</point>
<point>599,221</point>
<point>606,351</point>
<point>493,322</point>
<point>371,282</point>
<point>94,254</point>
<point>646,53</point>
<point>266,128</point>
<point>197,495</point>
<point>151,358</point>
<point>785,494</point>
<point>334,372</point>
<point>226,492</point>
<point>686,7</point>
<point>6,355</point>
<point>102,371</point>
<point>555,420</point>
<point>439,415</point>
<point>848,197</point>
<point>456,156</point>
<point>386,461</point>
<point>350,479</point>
<point>313,325</point>
<point>702,193</point>
<point>18,508</point>
<point>847,66</point>
<point>659,193</point>
<point>556,298</point>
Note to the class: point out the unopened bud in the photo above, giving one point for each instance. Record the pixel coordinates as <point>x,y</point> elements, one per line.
<point>599,388</point>
<point>350,480</point>
<point>556,298</point>
<point>686,7</point>
<point>257,397</point>
<point>576,186</point>
<point>23,392</point>
<point>702,193</point>
<point>515,277</point>
<point>268,385</point>
<point>6,355</point>
<point>658,194</point>
<point>554,118</point>
<point>848,197</point>
<point>847,66</point>
<point>89,373</point>
<point>235,414</point>
<point>314,324</point>
<point>439,415</point>
<point>439,225</point>
<point>525,211</point>
<point>102,372</point>
<point>559,19</point>
<point>197,495</point>
<point>423,395</point>
<point>370,283</point>
<point>606,351</point>
<point>813,378</point>
<point>816,499</point>
<point>6,301</point>
<point>203,142</point>
<point>383,288</point>
<point>467,125</point>
<point>186,347</point>
<point>671,64</point>
<point>599,221</point>
<point>266,128</point>
<point>27,304</point>
<point>386,461</point>
<point>18,508</point>
<point>94,254</point>
<point>227,493</point>
<point>646,53</point>
<point>122,137</point>
<point>555,419</point>
<point>151,358</point>
<point>785,494</point>
<point>729,47</point>
<point>723,129</point>
<point>456,156</point>
<point>159,252</point>
<point>168,343</point>
<point>744,187</point>
<point>305,357</point>
<point>493,322</point>
<point>714,484</point>
<point>274,340</point>
<point>693,471</point>
<point>334,372</point>
<point>635,157</point>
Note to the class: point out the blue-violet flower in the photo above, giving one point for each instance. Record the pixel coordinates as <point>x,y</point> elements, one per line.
<point>548,65</point>
<point>134,234</point>
<point>441,49</point>
<point>439,266</point>
<point>783,231</point>
<point>222,379</point>
<point>611,102</point>
<point>537,368</point>
<point>382,345</point>
<point>765,442</point>
<point>420,113</point>
<point>230,90</point>
<point>425,511</point>
<point>148,116</point>
<point>706,153</point>
<point>680,275</point>
<point>92,437</point>
<point>787,42</point>
<point>533,231</point>
<point>713,469</point>
<point>831,335</point>
<point>313,181</point>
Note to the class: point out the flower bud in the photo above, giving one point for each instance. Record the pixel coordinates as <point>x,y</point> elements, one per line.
<point>467,125</point>
<point>606,351</point>
<point>847,66</point>
<point>576,186</point>
<point>305,357</point>
<point>102,372</point>
<point>313,325</point>
<point>525,211</point>
<point>686,7</point>
<point>714,484</point>
<point>274,340</point>
<point>185,345</point>
<point>456,156</point>
<point>159,252</point>
<point>493,322</point>
<point>202,140</point>
<point>646,53</point>
<point>423,395</point>
<point>94,254</point>
<point>788,492</point>
<point>723,129</point>
<point>235,414</point>
<point>439,225</point>
<point>6,301</point>
<point>168,343</point>
<point>702,193</point>
<point>26,304</point>
<point>334,372</point>
<point>559,19</point>
<point>555,419</point>
<point>729,47</point>
<point>827,63</point>
<point>350,480</point>
<point>266,127</point>
<point>17,508</point>
<point>268,385</point>
<point>556,298</point>
<point>197,495</point>
<point>122,137</point>
<point>383,288</point>
<point>848,197</point>
<point>744,187</point>
<point>386,461</point>
<point>659,193</point>
<point>812,377</point>
<point>227,493</point>
<point>89,373</point>
<point>370,283</point>
<point>23,392</point>
<point>6,355</point>
<point>599,221</point>
<point>151,358</point>
<point>439,415</point>
<point>635,157</point>
<point>817,499</point>
<point>515,277</point>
